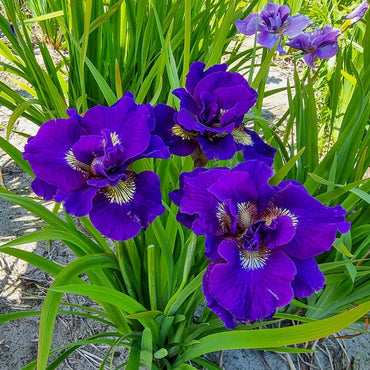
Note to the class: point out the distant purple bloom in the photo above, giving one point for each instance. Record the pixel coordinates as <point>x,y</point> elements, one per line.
<point>261,238</point>
<point>317,43</point>
<point>358,13</point>
<point>84,161</point>
<point>273,23</point>
<point>212,109</point>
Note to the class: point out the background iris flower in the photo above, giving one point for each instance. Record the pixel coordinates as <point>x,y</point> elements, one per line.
<point>358,13</point>
<point>320,43</point>
<point>272,24</point>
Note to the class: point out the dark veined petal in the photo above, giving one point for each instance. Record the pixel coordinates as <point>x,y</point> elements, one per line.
<point>316,225</point>
<point>237,186</point>
<point>248,287</point>
<point>176,197</point>
<point>327,51</point>
<point>120,212</point>
<point>186,100</point>
<point>86,148</point>
<point>211,246</point>
<point>227,318</point>
<point>50,153</point>
<point>236,100</point>
<point>189,122</point>
<point>309,278</point>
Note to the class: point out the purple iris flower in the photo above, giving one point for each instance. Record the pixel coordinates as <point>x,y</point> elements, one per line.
<point>212,109</point>
<point>321,43</point>
<point>273,23</point>
<point>262,239</point>
<point>84,161</point>
<point>358,13</point>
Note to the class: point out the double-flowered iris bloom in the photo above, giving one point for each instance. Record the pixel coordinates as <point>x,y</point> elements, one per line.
<point>85,162</point>
<point>272,24</point>
<point>261,238</point>
<point>212,109</point>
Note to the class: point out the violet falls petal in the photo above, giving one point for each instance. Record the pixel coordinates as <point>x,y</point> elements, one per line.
<point>309,278</point>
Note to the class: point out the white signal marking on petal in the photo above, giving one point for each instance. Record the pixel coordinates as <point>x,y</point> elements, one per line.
<point>182,133</point>
<point>75,163</point>
<point>273,294</point>
<point>115,139</point>
<point>247,214</point>
<point>123,192</point>
<point>273,212</point>
<point>241,137</point>
<point>223,217</point>
<point>254,260</point>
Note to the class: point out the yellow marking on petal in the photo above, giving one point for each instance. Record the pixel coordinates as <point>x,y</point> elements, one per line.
<point>247,214</point>
<point>182,133</point>
<point>241,137</point>
<point>271,213</point>
<point>123,192</point>
<point>254,260</point>
<point>75,163</point>
<point>223,217</point>
<point>115,139</point>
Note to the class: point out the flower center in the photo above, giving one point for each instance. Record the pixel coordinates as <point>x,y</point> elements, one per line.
<point>123,192</point>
